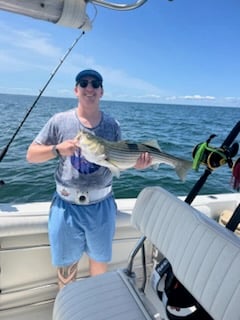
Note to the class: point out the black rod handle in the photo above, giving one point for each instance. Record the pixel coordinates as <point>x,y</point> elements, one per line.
<point>234,220</point>
<point>232,135</point>
<point>197,187</point>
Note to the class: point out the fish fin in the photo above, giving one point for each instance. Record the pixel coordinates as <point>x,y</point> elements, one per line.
<point>114,169</point>
<point>152,143</point>
<point>182,169</point>
<point>101,157</point>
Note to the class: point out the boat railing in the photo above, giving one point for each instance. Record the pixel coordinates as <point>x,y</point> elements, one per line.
<point>70,13</point>
<point>119,6</point>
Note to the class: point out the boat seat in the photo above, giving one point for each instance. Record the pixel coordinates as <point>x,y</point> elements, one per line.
<point>102,297</point>
<point>205,257</point>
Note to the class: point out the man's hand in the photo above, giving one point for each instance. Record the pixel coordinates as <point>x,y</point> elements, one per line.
<point>67,147</point>
<point>144,161</point>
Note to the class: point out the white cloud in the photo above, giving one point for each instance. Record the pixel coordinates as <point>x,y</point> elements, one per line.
<point>122,79</point>
<point>197,97</point>
<point>17,90</point>
<point>236,99</point>
<point>11,63</point>
<point>172,98</point>
<point>31,40</point>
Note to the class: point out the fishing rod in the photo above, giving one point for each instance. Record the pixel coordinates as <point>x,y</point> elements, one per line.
<point>224,154</point>
<point>5,149</point>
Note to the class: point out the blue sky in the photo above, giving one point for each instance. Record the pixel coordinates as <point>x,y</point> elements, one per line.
<point>183,51</point>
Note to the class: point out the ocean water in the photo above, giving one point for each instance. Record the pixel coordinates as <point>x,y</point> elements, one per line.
<point>177,128</point>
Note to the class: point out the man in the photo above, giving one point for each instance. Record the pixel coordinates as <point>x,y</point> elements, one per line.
<point>83,210</point>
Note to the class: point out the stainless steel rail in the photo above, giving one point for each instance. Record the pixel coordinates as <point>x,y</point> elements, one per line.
<point>119,6</point>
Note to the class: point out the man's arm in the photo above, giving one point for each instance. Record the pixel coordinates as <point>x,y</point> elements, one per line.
<point>38,153</point>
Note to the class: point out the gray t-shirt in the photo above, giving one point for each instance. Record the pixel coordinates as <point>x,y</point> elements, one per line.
<point>76,171</point>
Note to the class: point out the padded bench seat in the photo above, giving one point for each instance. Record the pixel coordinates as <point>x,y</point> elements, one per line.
<point>103,297</point>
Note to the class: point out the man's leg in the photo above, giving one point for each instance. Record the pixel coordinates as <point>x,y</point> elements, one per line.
<point>99,242</point>
<point>96,268</point>
<point>67,274</point>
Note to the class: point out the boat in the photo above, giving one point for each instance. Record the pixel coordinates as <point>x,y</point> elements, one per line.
<point>27,279</point>
<point>194,238</point>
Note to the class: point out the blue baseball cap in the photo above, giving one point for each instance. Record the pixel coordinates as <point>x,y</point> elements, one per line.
<point>89,73</point>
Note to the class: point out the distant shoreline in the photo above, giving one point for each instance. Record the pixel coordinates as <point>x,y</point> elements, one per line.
<point>125,101</point>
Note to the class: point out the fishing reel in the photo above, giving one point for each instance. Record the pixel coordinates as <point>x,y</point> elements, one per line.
<point>213,157</point>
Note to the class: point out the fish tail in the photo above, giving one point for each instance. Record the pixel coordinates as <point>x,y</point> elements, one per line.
<point>182,168</point>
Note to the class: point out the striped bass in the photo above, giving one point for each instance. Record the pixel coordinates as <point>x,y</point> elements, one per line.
<point>122,155</point>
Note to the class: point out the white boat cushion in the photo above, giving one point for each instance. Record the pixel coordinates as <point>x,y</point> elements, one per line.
<point>104,297</point>
<point>204,255</point>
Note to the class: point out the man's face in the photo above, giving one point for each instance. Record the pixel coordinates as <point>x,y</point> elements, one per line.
<point>89,90</point>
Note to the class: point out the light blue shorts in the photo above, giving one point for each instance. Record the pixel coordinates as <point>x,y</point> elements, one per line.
<point>75,229</point>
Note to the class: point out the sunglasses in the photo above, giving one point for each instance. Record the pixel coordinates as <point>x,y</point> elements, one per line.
<point>95,83</point>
